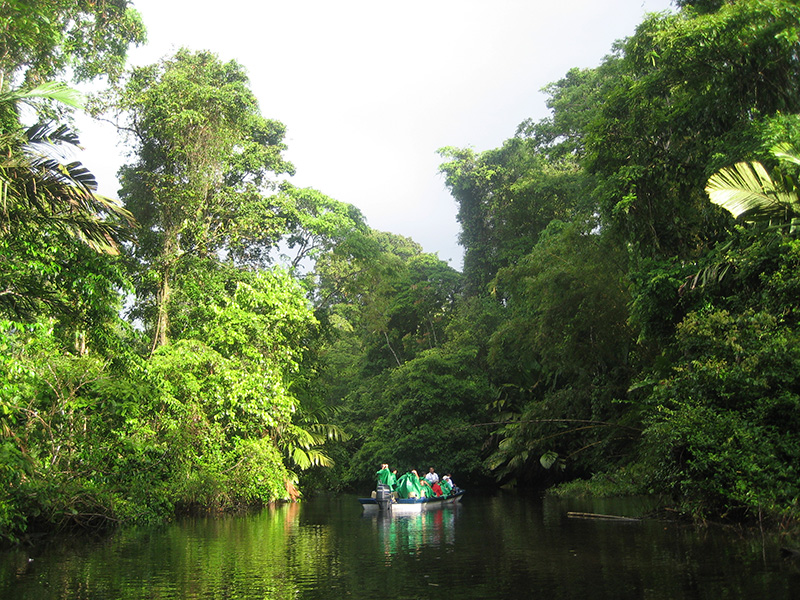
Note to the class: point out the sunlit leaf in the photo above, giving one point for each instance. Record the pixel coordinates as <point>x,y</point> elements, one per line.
<point>748,192</point>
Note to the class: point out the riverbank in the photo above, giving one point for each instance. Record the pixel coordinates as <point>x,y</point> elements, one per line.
<point>630,482</point>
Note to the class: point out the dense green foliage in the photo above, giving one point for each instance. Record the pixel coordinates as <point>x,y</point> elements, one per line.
<point>40,39</point>
<point>627,311</point>
<point>641,336</point>
<point>185,399</point>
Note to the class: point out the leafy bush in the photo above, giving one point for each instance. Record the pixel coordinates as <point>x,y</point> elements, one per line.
<point>722,437</point>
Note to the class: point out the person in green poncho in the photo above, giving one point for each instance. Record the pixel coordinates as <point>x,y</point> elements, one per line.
<point>408,486</point>
<point>446,485</point>
<point>386,477</point>
<point>427,490</point>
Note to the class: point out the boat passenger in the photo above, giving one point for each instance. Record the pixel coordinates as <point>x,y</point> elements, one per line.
<point>453,483</point>
<point>447,485</point>
<point>431,476</point>
<point>408,486</point>
<point>384,476</point>
<point>427,490</point>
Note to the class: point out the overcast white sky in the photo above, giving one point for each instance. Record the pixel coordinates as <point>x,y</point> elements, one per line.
<point>369,90</point>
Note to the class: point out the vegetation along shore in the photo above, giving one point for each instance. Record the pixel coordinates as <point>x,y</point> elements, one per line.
<point>214,337</point>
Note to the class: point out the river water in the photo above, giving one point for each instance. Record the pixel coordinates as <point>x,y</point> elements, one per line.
<point>502,546</point>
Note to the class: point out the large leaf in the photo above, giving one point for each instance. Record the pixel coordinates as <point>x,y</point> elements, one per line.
<point>548,459</point>
<point>787,153</point>
<point>748,192</point>
<point>53,90</point>
<point>38,186</point>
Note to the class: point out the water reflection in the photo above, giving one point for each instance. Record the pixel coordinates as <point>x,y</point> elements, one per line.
<point>203,557</point>
<point>409,533</point>
<point>503,547</point>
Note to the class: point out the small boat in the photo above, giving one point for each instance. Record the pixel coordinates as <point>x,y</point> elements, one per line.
<point>411,505</point>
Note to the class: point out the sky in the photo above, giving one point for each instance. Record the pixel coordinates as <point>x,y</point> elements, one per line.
<point>370,90</point>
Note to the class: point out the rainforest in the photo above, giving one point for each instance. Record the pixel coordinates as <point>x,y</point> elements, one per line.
<point>627,319</point>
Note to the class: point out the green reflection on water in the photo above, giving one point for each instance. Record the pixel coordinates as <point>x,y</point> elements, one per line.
<point>502,547</point>
<point>409,534</point>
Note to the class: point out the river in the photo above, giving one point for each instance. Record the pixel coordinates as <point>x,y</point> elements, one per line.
<point>501,546</point>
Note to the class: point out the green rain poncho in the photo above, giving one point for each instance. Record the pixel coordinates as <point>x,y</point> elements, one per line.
<point>408,486</point>
<point>386,477</point>
<point>427,490</point>
<point>447,487</point>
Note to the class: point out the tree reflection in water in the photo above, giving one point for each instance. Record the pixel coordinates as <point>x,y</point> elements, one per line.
<point>504,547</point>
<point>408,534</point>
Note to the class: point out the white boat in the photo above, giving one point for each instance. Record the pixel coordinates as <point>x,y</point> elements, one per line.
<point>412,505</point>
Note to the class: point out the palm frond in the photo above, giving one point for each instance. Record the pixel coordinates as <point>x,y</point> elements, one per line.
<point>747,191</point>
<point>330,431</point>
<point>310,457</point>
<point>303,444</point>
<point>41,186</point>
<point>48,134</point>
<point>53,90</point>
<point>787,153</point>
<point>44,192</point>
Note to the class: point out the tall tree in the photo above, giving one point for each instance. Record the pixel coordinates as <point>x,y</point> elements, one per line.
<point>561,356</point>
<point>318,225</point>
<point>508,196</point>
<point>203,158</point>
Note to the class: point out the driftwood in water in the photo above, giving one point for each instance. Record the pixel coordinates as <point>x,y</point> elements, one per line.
<point>582,515</point>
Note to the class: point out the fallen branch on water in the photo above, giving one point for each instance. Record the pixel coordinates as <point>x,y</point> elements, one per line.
<point>595,516</point>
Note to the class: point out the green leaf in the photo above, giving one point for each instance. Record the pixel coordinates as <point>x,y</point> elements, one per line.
<point>51,90</point>
<point>748,192</point>
<point>548,459</point>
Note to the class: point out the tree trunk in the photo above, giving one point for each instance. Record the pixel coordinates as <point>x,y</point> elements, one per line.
<point>388,343</point>
<point>160,333</point>
<point>168,257</point>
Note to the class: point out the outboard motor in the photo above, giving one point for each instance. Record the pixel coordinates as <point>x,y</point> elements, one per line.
<point>383,496</point>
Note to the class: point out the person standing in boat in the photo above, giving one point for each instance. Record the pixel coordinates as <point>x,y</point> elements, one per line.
<point>386,477</point>
<point>385,486</point>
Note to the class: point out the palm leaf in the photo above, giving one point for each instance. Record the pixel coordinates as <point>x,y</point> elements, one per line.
<point>45,192</point>
<point>787,153</point>
<point>52,90</point>
<point>301,444</point>
<point>43,135</point>
<point>41,187</point>
<point>329,431</point>
<point>305,458</point>
<point>300,458</point>
<point>748,192</point>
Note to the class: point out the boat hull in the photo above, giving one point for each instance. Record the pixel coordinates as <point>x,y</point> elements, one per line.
<point>412,505</point>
